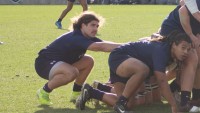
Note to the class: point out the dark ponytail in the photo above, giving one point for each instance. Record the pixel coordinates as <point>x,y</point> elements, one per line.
<point>177,37</point>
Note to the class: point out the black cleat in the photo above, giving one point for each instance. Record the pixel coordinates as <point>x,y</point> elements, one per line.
<point>120,108</point>
<point>188,108</point>
<point>195,102</point>
<point>84,97</point>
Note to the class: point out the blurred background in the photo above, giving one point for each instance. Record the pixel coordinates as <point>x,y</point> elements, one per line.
<point>54,2</point>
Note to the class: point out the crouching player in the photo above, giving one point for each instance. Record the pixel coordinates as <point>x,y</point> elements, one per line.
<point>132,63</point>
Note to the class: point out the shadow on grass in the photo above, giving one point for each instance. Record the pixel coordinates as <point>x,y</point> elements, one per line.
<point>49,109</point>
<point>154,108</point>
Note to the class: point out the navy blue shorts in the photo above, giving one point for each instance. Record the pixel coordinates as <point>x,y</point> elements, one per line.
<point>116,78</point>
<point>115,59</point>
<point>72,1</point>
<point>166,30</point>
<point>195,26</point>
<point>43,67</point>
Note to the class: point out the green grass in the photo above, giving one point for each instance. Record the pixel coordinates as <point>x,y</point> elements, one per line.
<point>27,29</point>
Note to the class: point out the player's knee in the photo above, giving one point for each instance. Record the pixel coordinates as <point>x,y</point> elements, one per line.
<point>71,75</point>
<point>144,70</point>
<point>89,61</point>
<point>75,73</point>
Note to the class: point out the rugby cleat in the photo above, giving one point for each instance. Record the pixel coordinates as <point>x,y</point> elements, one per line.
<point>43,97</point>
<point>74,96</point>
<point>84,97</point>
<point>189,108</point>
<point>58,24</point>
<point>120,108</point>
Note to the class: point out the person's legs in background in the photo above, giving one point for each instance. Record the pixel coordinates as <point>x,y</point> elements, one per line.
<point>64,13</point>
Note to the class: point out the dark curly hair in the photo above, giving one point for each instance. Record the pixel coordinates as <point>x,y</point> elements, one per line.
<point>85,18</point>
<point>174,37</point>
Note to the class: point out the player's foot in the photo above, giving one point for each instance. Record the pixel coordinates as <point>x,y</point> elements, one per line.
<point>74,96</point>
<point>155,35</point>
<point>84,97</point>
<point>177,97</point>
<point>188,108</point>
<point>144,38</point>
<point>95,86</point>
<point>195,102</point>
<point>58,24</point>
<point>43,97</point>
<point>121,108</point>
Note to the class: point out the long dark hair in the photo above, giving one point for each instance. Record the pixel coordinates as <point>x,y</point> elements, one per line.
<point>84,18</point>
<point>174,37</point>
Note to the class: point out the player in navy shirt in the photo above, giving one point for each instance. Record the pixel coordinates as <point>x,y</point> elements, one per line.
<point>174,22</point>
<point>132,63</point>
<point>182,19</point>
<point>64,60</point>
<point>69,47</point>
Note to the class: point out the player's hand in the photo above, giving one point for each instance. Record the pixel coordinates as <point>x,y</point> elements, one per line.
<point>195,41</point>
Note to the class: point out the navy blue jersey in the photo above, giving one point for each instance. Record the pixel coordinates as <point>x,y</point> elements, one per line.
<point>69,47</point>
<point>156,55</point>
<point>172,22</point>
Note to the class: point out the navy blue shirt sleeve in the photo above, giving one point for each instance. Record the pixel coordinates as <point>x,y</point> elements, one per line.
<point>85,42</point>
<point>160,59</point>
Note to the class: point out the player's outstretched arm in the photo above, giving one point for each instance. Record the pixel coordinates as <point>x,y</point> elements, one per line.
<point>104,46</point>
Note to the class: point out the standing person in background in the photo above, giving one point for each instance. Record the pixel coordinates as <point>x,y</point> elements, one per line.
<point>65,61</point>
<point>68,9</point>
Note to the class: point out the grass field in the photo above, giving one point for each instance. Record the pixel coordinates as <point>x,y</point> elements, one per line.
<point>27,29</point>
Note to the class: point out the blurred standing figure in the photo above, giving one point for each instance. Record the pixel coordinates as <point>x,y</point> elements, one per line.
<point>65,61</point>
<point>68,9</point>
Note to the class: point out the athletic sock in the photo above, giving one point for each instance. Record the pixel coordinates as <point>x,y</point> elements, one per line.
<point>103,87</point>
<point>76,87</point>
<point>46,88</point>
<point>122,100</point>
<point>195,94</point>
<point>174,86</point>
<point>59,20</point>
<point>185,97</point>
<point>96,94</point>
